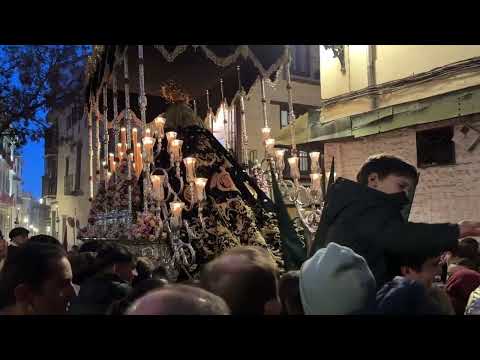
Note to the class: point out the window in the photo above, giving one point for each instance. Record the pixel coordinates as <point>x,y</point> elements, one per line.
<point>435,147</point>
<point>303,162</point>
<point>78,170</point>
<point>283,118</point>
<point>305,62</point>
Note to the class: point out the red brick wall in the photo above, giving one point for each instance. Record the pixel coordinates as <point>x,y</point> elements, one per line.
<point>444,194</point>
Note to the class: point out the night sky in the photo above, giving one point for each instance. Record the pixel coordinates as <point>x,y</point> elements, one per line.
<point>33,167</point>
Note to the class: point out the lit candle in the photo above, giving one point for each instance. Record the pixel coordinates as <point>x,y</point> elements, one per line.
<point>159,125</point>
<point>266,133</point>
<point>200,188</point>
<point>148,148</point>
<point>109,175</point>
<point>294,171</point>
<point>119,150</point>
<point>134,135</point>
<point>137,152</point>
<point>176,208</point>
<point>111,159</point>
<point>314,156</point>
<point>269,144</point>
<point>177,149</point>
<point>190,167</point>
<point>148,132</point>
<point>157,185</point>
<point>171,135</point>
<point>140,164</point>
<point>315,178</point>
<point>114,166</point>
<point>279,160</point>
<point>104,163</point>
<point>123,139</point>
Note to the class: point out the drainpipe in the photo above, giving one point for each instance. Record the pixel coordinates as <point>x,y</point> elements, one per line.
<point>371,72</point>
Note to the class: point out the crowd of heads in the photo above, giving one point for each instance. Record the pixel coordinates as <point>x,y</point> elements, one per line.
<point>38,276</point>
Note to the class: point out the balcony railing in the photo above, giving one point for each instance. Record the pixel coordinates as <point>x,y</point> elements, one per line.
<point>49,186</point>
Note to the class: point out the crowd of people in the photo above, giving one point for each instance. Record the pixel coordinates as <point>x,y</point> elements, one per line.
<point>367,260</point>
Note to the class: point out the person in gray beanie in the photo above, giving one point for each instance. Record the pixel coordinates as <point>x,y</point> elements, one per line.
<point>337,281</point>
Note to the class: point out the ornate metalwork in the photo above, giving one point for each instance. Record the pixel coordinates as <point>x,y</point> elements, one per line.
<point>339,53</point>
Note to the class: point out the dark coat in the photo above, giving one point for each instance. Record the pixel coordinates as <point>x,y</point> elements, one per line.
<point>98,293</point>
<point>370,223</point>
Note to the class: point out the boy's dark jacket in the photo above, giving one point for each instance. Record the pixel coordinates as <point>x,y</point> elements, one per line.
<point>370,223</point>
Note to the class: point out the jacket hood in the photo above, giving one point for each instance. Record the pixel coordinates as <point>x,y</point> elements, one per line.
<point>344,193</point>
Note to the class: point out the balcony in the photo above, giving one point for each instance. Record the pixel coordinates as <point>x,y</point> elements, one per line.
<point>49,186</point>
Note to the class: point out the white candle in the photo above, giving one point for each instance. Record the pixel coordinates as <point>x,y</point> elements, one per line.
<point>266,133</point>
<point>111,159</point>
<point>279,160</point>
<point>315,178</point>
<point>177,149</point>
<point>159,125</point>
<point>148,148</point>
<point>314,156</point>
<point>171,135</point>
<point>176,208</point>
<point>134,135</point>
<point>269,145</point>
<point>114,166</point>
<point>190,163</point>
<point>328,175</point>
<point>294,171</point>
<point>109,175</point>
<point>148,132</point>
<point>119,150</point>
<point>200,188</point>
<point>157,185</point>
<point>123,138</point>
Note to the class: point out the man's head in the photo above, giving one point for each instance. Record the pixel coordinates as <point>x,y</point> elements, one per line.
<point>336,281</point>
<point>179,300</point>
<point>117,259</point>
<point>246,278</point>
<point>467,248</point>
<point>45,239</point>
<point>19,235</point>
<point>37,281</point>
<point>421,268</point>
<point>388,174</point>
<point>289,291</point>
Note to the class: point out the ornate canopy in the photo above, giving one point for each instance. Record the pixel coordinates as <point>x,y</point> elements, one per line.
<point>183,70</point>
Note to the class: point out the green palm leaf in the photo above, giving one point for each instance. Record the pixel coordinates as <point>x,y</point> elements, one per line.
<point>293,249</point>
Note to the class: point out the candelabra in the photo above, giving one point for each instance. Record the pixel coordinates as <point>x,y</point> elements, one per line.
<point>160,189</point>
<point>308,200</point>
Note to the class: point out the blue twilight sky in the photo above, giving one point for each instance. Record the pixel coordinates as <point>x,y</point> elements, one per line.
<point>33,167</point>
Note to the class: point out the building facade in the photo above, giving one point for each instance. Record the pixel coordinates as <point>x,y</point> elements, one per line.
<point>10,184</point>
<point>66,177</point>
<point>417,102</point>
<point>305,75</point>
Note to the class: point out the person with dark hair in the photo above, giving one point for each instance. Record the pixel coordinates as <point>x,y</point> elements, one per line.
<point>369,217</point>
<point>246,278</point>
<point>18,236</point>
<point>160,273</point>
<point>144,269</point>
<point>45,239</point>
<point>420,268</point>
<point>179,300</point>
<point>403,296</point>
<point>115,265</point>
<point>36,281</point>
<point>289,292</point>
<point>120,307</point>
<point>91,246</point>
